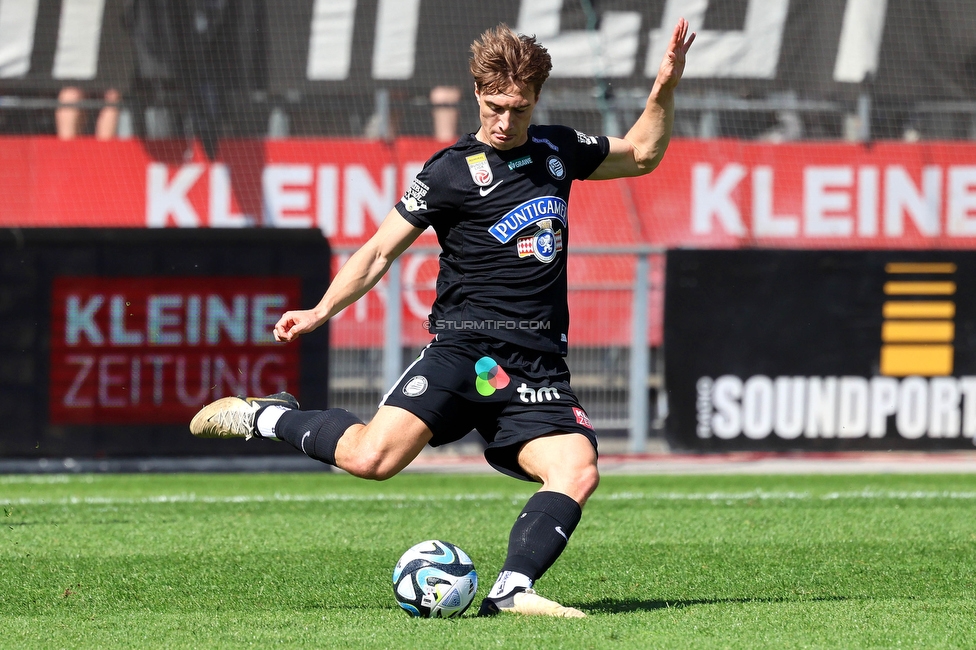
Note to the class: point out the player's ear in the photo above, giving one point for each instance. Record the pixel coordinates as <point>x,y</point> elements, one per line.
<point>477,93</point>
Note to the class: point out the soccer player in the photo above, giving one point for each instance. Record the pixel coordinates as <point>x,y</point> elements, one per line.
<point>497,200</point>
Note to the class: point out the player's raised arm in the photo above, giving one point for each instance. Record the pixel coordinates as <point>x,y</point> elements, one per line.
<point>641,150</point>
<point>357,276</point>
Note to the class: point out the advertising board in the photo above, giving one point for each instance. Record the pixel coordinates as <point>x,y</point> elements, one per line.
<point>820,350</point>
<point>116,337</point>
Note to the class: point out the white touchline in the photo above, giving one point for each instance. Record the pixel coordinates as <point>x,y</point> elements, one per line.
<point>712,497</point>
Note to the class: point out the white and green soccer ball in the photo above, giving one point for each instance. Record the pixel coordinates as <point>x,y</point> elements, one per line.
<point>434,579</point>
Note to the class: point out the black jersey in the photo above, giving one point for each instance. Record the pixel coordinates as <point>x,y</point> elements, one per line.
<point>502,221</point>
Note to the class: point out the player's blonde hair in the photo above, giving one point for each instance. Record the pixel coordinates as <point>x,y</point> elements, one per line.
<point>502,58</point>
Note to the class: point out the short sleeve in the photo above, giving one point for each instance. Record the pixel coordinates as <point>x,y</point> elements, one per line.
<point>589,153</point>
<point>434,195</point>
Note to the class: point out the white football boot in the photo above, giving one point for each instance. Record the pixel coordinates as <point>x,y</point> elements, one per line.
<point>236,417</point>
<point>528,603</point>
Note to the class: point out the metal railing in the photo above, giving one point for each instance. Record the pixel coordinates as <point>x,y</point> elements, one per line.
<point>855,119</point>
<point>618,381</point>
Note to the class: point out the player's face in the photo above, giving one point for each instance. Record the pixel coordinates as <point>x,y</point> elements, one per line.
<point>505,116</point>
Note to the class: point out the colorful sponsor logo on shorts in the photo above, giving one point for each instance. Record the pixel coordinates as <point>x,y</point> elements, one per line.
<point>491,376</point>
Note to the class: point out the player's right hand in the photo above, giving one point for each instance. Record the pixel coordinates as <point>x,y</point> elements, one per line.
<point>294,323</point>
<point>673,64</point>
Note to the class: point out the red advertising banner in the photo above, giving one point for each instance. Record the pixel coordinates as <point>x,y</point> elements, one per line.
<point>137,350</point>
<point>706,194</point>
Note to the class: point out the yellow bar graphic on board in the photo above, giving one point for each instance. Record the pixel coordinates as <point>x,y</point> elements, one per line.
<point>917,335</point>
<point>924,360</point>
<point>919,288</point>
<point>920,267</point>
<point>919,309</point>
<point>913,331</point>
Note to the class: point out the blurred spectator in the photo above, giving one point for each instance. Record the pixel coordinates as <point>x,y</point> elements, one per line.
<point>444,102</point>
<point>200,61</point>
<point>71,120</point>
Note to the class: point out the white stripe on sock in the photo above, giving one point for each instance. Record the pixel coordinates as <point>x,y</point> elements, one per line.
<point>507,581</point>
<point>269,419</point>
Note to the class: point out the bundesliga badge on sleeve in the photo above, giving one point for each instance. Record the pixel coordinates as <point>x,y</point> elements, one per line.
<point>480,169</point>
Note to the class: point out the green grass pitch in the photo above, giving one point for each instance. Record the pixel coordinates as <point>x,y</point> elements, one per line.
<point>304,560</point>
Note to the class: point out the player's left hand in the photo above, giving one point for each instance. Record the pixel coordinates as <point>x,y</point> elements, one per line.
<point>673,64</point>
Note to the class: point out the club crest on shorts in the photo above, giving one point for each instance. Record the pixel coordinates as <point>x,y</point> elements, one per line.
<point>480,169</point>
<point>543,244</point>
<point>416,386</point>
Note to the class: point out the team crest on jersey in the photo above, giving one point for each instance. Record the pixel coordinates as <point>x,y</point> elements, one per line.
<point>543,244</point>
<point>480,169</point>
<point>556,167</point>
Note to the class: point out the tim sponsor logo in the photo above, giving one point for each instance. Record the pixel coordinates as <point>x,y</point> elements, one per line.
<point>534,395</point>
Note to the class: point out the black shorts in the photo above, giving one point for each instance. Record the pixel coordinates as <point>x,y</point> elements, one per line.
<point>509,394</point>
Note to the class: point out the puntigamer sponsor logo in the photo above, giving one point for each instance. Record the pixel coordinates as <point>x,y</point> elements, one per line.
<point>528,213</point>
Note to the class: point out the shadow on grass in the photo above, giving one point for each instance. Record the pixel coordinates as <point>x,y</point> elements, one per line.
<point>609,606</point>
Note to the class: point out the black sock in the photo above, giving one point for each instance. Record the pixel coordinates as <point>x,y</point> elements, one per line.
<point>316,433</point>
<point>541,532</point>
